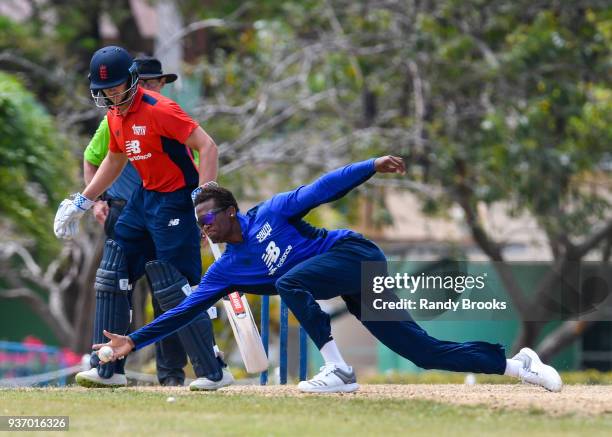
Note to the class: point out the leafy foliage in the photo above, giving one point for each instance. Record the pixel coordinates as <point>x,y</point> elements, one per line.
<point>509,100</point>
<point>36,169</point>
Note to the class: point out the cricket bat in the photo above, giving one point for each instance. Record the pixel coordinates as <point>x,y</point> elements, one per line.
<point>244,327</point>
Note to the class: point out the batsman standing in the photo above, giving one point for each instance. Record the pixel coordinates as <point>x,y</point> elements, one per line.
<point>271,249</point>
<point>170,355</point>
<point>156,233</point>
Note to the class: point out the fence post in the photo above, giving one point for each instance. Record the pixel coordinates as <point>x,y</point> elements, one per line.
<point>284,334</point>
<point>265,332</point>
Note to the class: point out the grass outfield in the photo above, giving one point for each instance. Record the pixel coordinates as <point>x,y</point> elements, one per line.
<point>147,412</point>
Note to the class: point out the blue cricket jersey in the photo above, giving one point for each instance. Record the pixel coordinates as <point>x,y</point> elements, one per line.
<point>275,239</point>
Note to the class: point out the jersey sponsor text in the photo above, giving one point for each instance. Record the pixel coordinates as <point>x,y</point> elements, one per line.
<point>264,232</point>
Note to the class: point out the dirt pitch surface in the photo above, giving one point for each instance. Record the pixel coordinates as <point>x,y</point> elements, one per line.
<point>586,400</point>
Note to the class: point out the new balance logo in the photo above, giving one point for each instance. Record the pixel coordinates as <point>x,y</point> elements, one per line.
<point>271,255</point>
<point>174,222</point>
<point>139,130</point>
<point>132,147</point>
<point>264,232</point>
<point>280,263</point>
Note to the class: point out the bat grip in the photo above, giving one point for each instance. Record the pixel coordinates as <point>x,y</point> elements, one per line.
<point>214,248</point>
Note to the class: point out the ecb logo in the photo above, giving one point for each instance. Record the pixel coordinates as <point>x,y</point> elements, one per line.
<point>103,71</point>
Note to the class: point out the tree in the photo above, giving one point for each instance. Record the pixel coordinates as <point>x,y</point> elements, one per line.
<point>33,167</point>
<point>36,172</point>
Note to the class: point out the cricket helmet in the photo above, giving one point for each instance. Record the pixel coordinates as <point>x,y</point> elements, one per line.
<point>109,67</point>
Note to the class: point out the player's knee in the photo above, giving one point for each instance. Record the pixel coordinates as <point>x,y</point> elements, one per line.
<point>372,252</point>
<point>378,255</point>
<point>168,285</point>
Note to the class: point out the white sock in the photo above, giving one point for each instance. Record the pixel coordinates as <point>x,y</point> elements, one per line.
<point>513,368</point>
<point>331,354</point>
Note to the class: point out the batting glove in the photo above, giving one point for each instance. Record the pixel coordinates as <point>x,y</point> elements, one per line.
<point>70,211</point>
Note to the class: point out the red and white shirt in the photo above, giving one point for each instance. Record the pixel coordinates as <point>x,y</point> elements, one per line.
<point>153,134</point>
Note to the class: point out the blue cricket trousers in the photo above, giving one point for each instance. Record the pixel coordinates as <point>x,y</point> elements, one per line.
<point>170,356</point>
<point>161,226</point>
<point>337,272</point>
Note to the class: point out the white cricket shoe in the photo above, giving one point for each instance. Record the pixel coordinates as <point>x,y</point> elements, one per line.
<point>534,371</point>
<point>90,378</point>
<point>207,384</point>
<point>331,379</point>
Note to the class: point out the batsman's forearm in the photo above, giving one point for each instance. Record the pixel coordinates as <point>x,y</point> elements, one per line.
<point>209,163</point>
<point>209,155</point>
<point>89,171</point>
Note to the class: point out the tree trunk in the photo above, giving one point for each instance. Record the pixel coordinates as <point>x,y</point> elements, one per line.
<point>561,337</point>
<point>129,32</point>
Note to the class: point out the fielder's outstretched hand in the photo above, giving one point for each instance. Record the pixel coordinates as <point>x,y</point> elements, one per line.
<point>120,344</point>
<point>390,164</point>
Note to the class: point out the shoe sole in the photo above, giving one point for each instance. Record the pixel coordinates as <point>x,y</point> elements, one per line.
<point>535,358</point>
<point>346,388</point>
<point>88,383</point>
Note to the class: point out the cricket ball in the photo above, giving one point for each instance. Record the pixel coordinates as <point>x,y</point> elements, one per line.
<point>105,354</point>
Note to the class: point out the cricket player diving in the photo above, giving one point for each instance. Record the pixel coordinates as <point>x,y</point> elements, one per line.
<point>271,249</point>
<point>156,233</point>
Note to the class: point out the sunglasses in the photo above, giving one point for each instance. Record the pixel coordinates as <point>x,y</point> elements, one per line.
<point>209,217</point>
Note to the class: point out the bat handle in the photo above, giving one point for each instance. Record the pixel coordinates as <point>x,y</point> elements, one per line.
<point>215,248</point>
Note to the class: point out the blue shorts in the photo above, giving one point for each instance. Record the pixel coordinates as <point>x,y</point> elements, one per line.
<point>161,226</point>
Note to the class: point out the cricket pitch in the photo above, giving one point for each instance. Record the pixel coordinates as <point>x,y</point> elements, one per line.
<point>573,399</point>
